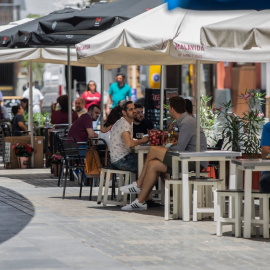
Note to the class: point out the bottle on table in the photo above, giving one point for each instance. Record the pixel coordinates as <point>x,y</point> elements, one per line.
<point>47,121</point>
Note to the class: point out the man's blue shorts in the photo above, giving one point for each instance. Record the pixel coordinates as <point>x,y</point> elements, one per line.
<point>127,163</point>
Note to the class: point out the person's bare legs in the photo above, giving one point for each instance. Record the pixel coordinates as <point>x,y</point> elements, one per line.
<point>154,168</point>
<point>155,153</point>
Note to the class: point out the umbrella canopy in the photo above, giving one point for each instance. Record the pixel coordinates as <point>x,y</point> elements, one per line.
<point>103,16</point>
<point>162,37</point>
<point>244,32</point>
<point>98,18</point>
<point>157,37</point>
<point>25,28</point>
<point>69,26</point>
<point>15,23</point>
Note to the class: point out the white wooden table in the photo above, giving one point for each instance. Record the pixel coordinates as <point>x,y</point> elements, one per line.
<point>248,165</point>
<point>185,157</point>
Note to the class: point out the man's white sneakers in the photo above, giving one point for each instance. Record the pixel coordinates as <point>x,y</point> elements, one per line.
<point>131,189</point>
<point>135,206</point>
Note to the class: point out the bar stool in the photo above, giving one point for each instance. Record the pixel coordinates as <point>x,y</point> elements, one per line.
<point>262,220</point>
<point>177,209</point>
<point>201,205</point>
<point>124,179</point>
<point>177,205</point>
<point>233,218</point>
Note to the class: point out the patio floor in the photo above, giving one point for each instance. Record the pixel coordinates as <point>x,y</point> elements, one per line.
<point>40,230</point>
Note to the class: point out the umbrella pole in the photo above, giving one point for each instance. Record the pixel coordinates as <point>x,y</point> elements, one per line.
<point>198,124</point>
<point>69,89</point>
<point>162,87</point>
<point>102,94</point>
<point>30,109</point>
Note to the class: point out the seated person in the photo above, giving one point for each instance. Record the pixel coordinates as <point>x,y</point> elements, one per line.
<point>18,122</point>
<point>158,162</point>
<point>105,132</point>
<point>61,116</point>
<point>80,106</point>
<point>122,140</point>
<point>189,110</point>
<point>140,124</point>
<point>265,145</point>
<point>82,128</point>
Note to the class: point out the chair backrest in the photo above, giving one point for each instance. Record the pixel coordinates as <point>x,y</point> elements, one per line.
<point>220,143</point>
<point>6,130</point>
<point>68,148</point>
<point>54,135</point>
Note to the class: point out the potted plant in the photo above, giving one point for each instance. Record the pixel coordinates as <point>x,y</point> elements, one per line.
<point>24,152</point>
<point>242,133</point>
<point>209,121</point>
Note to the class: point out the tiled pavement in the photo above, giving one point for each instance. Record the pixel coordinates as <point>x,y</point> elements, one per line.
<point>40,230</point>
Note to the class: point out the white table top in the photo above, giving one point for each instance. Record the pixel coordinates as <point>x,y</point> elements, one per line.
<point>251,163</point>
<point>215,153</point>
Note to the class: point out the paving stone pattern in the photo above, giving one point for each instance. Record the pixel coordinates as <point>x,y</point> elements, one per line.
<point>40,230</point>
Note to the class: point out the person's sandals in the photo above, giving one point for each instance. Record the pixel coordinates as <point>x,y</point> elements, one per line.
<point>131,189</point>
<point>135,206</point>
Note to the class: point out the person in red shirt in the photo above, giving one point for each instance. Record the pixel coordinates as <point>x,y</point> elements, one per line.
<point>92,97</point>
<point>61,116</point>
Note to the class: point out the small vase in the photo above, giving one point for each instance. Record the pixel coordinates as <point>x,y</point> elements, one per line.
<point>56,169</point>
<point>23,162</point>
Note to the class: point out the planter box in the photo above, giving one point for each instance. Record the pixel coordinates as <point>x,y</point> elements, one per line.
<point>13,162</point>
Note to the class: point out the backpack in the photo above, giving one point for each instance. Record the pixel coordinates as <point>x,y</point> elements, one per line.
<point>92,160</point>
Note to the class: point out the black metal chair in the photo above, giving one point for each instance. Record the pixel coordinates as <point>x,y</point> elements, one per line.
<point>71,159</point>
<point>60,130</point>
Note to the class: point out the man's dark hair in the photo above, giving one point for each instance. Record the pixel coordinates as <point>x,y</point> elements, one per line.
<point>25,100</point>
<point>178,103</point>
<point>92,107</point>
<point>121,74</point>
<point>189,106</point>
<point>125,104</point>
<point>15,109</point>
<point>138,105</point>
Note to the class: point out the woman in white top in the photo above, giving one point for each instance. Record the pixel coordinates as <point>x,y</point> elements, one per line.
<point>105,131</point>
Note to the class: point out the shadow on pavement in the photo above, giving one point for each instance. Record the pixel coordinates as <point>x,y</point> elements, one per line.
<point>37,178</point>
<point>152,211</point>
<point>16,212</point>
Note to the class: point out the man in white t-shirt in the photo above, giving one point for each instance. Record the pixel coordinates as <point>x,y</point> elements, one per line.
<point>122,140</point>
<point>37,98</point>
